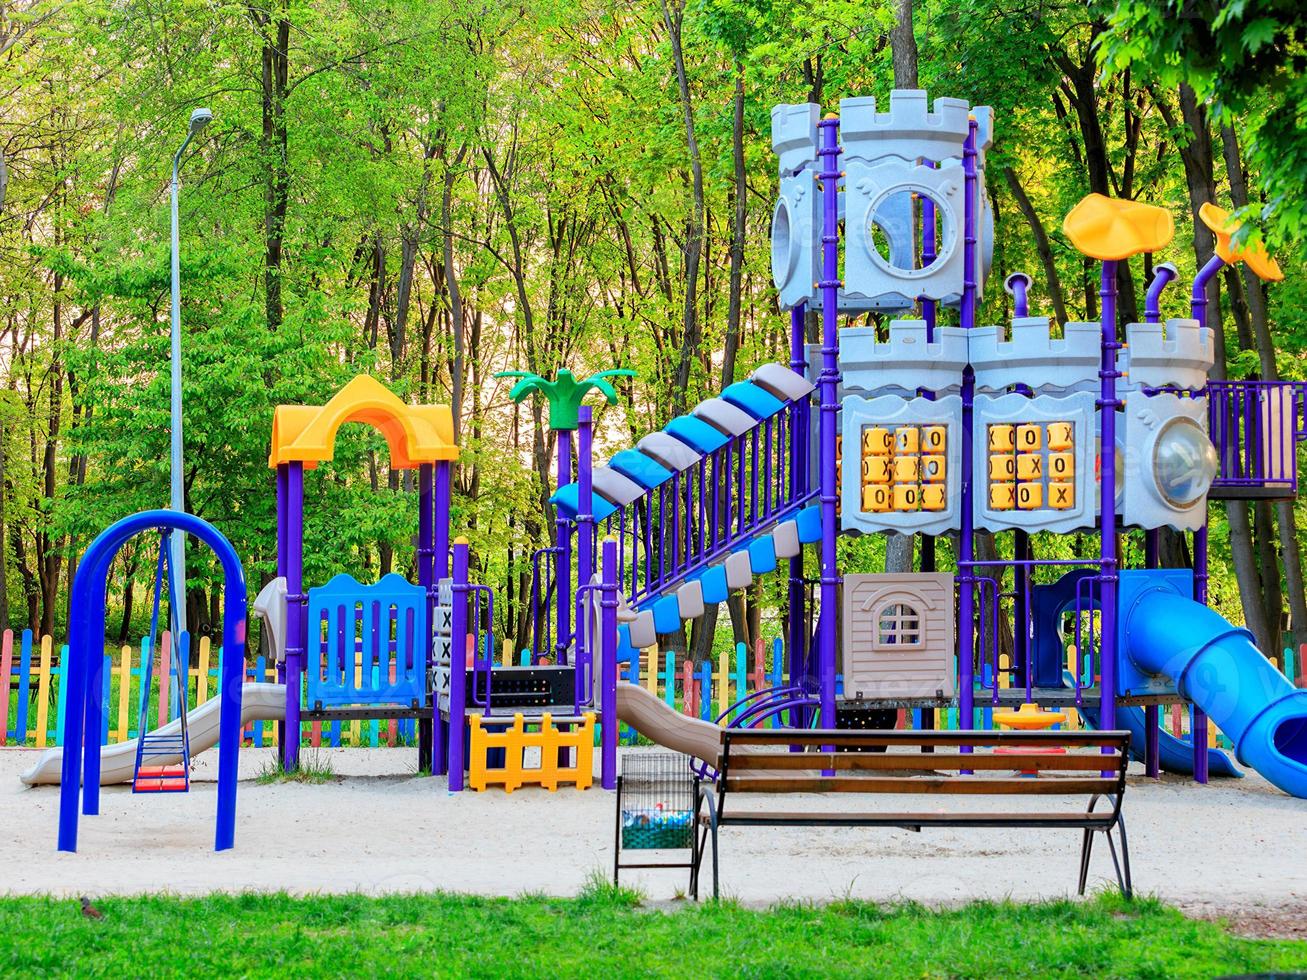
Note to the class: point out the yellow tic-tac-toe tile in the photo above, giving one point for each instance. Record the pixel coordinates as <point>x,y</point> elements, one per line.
<point>932,469</point>
<point>1002,468</point>
<point>1002,496</point>
<point>1030,466</point>
<point>876,499</point>
<point>1029,437</point>
<point>906,469</point>
<point>934,438</point>
<point>907,496</point>
<point>932,496</point>
<point>876,469</point>
<point>1060,436</point>
<point>1030,496</point>
<point>1002,438</point>
<point>907,439</point>
<point>1061,496</point>
<point>877,441</point>
<point>1061,466</point>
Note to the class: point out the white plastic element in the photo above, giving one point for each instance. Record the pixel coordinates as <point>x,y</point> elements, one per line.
<point>689,599</point>
<point>781,381</point>
<point>1033,357</point>
<point>1179,353</point>
<point>612,486</point>
<point>905,362</point>
<point>909,130</point>
<point>794,135</point>
<point>668,451</point>
<point>724,416</point>
<point>786,536</point>
<point>1148,420</point>
<point>270,606</point>
<point>643,633</point>
<point>738,571</point>
<point>796,239</point>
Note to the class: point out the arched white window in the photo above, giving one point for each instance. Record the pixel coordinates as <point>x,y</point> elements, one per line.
<point>898,624</point>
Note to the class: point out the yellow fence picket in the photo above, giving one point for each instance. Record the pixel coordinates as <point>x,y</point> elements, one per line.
<point>43,691</point>
<point>649,658</point>
<point>724,682</point>
<point>124,692</point>
<point>202,679</point>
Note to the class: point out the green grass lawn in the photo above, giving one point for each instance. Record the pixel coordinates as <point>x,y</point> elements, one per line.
<point>606,933</point>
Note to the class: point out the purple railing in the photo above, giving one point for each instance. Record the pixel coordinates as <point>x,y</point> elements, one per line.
<point>713,508</point>
<point>543,580</point>
<point>482,633</point>
<point>1256,427</point>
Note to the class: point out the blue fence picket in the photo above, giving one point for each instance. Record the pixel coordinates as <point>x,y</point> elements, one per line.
<point>24,687</point>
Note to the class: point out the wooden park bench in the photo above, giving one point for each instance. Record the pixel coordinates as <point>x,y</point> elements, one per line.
<point>759,766</point>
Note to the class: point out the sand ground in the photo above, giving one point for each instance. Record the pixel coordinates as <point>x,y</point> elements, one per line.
<point>1234,847</point>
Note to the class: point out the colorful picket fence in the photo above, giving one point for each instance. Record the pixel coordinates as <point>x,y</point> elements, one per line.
<point>32,679</point>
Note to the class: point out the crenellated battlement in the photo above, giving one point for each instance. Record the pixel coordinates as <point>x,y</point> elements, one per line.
<point>909,130</point>
<point>1178,352</point>
<point>1033,356</point>
<point>905,362</point>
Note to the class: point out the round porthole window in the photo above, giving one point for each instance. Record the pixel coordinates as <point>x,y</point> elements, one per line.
<point>782,244</point>
<point>909,229</point>
<point>1184,462</point>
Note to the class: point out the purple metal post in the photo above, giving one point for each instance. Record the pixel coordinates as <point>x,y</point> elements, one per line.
<point>966,543</point>
<point>585,531</point>
<point>1198,310</point>
<point>458,669</point>
<point>1152,726</point>
<point>281,572</point>
<point>426,579</point>
<point>798,467</point>
<point>1107,404</point>
<point>608,648</point>
<point>828,384</point>
<point>444,503</point>
<point>563,557</point>
<point>1162,275</point>
<point>1017,285</point>
<point>296,627</point>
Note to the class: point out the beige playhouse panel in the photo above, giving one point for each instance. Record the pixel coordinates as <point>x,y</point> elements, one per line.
<point>898,636</point>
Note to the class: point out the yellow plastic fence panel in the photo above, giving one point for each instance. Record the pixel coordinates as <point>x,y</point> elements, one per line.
<point>43,691</point>
<point>202,680</point>
<point>507,656</point>
<point>1004,681</point>
<point>124,693</point>
<point>724,682</point>
<point>542,736</point>
<point>649,659</point>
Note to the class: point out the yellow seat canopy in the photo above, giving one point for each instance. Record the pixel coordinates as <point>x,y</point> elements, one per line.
<point>1225,227</point>
<point>416,434</point>
<point>1110,228</point>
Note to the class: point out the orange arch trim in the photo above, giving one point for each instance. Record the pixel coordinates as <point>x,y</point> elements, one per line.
<point>416,434</point>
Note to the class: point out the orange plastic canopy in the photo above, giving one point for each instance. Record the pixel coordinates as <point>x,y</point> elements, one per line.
<point>416,434</point>
<point>1225,228</point>
<point>1110,228</point>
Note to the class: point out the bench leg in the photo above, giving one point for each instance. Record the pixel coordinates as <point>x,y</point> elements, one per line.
<point>1086,848</point>
<point>715,876</point>
<point>1122,867</point>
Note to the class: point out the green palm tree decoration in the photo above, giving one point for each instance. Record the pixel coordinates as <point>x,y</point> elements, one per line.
<point>564,393</point>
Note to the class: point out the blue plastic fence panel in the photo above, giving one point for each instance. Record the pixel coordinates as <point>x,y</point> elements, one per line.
<point>24,687</point>
<point>104,718</point>
<point>374,626</point>
<point>62,675</point>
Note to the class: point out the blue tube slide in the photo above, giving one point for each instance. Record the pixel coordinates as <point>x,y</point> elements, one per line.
<point>1217,667</point>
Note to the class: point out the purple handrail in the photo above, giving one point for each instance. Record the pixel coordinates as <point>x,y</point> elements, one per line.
<point>1256,427</point>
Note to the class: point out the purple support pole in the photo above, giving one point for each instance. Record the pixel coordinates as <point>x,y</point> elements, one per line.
<point>1162,275</point>
<point>608,673</point>
<point>1152,760</point>
<point>1198,310</point>
<point>444,477</point>
<point>828,384</point>
<point>1107,403</point>
<point>928,254</point>
<point>296,627</point>
<point>585,534</point>
<point>458,670</point>
<point>426,579</point>
<point>798,467</point>
<point>1017,285</point>
<point>282,547</point>
<point>563,558</point>
<point>966,542</point>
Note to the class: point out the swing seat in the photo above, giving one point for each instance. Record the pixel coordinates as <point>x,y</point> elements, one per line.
<point>161,779</point>
<point>367,644</point>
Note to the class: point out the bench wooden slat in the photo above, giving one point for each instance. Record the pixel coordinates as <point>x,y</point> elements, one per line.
<point>947,785</point>
<point>847,739</point>
<point>891,761</point>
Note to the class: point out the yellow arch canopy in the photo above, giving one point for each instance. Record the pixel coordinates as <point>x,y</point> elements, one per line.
<point>1110,228</point>
<point>416,434</point>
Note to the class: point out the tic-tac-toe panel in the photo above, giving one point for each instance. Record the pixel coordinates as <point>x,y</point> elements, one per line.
<point>1034,462</point>
<point>900,464</point>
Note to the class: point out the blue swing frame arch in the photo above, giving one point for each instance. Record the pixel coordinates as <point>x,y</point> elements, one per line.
<point>86,667</point>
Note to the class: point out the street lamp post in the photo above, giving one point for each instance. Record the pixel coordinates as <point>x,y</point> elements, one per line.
<point>177,545</point>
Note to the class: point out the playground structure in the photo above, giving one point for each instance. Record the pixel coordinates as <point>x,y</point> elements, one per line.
<point>914,427</point>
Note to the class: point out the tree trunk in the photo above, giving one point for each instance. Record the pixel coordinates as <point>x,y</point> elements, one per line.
<point>695,226</point>
<point>1042,246</point>
<point>273,24</point>
<point>903,46</point>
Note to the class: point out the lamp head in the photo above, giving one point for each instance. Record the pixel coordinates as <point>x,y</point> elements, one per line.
<point>200,118</point>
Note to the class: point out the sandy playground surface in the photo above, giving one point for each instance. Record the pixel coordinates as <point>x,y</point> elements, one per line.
<point>1232,847</point>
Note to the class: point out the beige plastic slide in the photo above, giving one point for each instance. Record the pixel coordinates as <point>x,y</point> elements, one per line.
<point>659,722</point>
<point>259,702</point>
